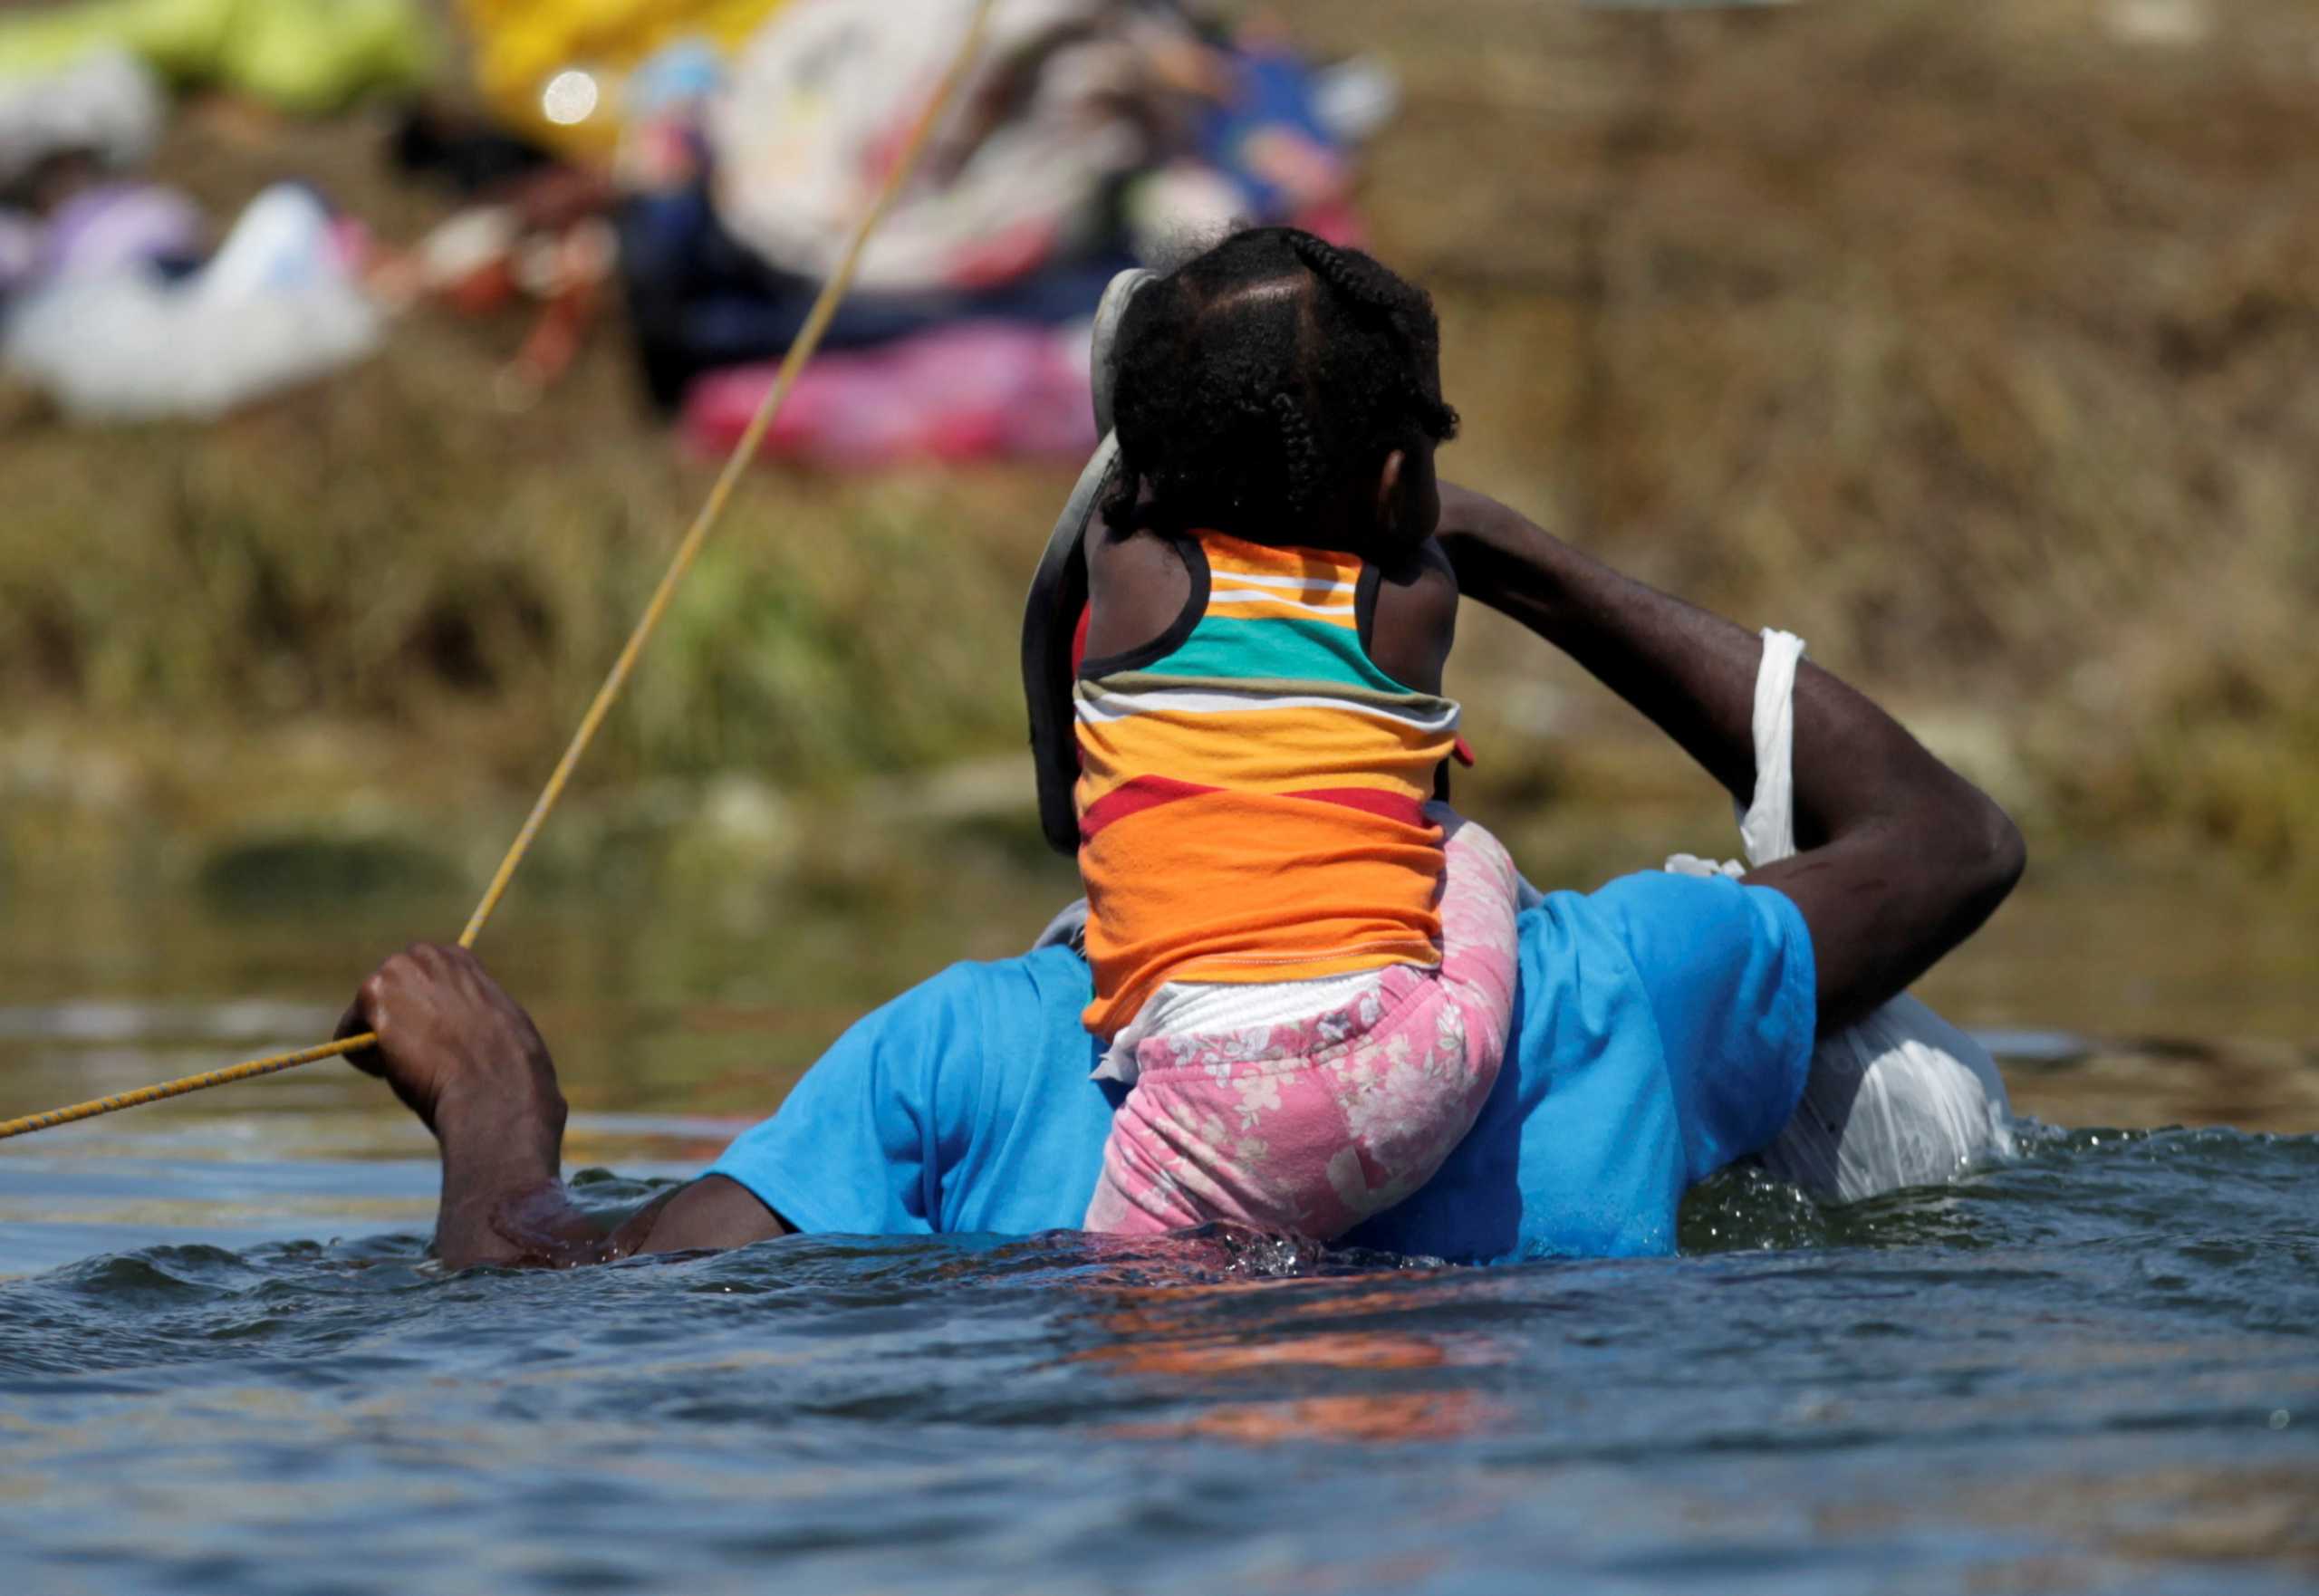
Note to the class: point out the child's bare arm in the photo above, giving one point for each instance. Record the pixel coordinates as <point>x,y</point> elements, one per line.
<point>1137,586</point>
<point>1416,619</point>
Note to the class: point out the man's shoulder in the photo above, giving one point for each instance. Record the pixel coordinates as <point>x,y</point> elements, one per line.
<point>983,1014</point>
<point>1725,977</point>
<point>1050,972</point>
<point>1585,975</point>
<point>1055,974</point>
<point>1703,969</point>
<point>1662,919</point>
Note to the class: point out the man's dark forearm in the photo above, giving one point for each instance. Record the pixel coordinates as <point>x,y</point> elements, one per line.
<point>504,1202</point>
<point>1692,673</point>
<point>502,1183</point>
<point>466,1059</point>
<point>1903,856</point>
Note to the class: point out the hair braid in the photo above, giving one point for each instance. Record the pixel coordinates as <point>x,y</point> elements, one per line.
<point>1256,380</point>
<point>1300,451</point>
<point>1331,264</point>
<point>1407,312</point>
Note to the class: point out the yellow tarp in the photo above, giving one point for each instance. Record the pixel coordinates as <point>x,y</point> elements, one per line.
<point>522,47</point>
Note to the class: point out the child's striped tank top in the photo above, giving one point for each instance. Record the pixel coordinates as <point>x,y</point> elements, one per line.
<point>1252,786</point>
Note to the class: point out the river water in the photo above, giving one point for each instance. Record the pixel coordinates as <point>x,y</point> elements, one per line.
<point>227,1364</point>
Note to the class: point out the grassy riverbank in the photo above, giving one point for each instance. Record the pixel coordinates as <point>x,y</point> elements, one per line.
<point>1970,340</point>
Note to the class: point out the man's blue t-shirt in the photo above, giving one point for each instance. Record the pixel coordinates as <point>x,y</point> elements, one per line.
<point>1662,1028</point>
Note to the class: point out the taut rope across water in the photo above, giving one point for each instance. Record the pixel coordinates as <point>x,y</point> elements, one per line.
<point>809,338</point>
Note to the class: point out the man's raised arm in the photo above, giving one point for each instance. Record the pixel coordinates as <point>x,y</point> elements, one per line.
<point>1902,858</point>
<point>466,1059</point>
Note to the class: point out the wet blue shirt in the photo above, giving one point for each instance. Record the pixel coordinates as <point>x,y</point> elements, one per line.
<point>1662,1028</point>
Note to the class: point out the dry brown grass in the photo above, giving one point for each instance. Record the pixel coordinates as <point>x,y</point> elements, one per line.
<point>1965,338</point>
<point>1969,340</point>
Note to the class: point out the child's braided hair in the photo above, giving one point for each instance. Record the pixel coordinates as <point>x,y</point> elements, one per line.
<point>1258,379</point>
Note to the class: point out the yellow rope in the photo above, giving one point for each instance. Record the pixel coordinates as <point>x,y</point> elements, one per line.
<point>809,337</point>
<point>179,1087</point>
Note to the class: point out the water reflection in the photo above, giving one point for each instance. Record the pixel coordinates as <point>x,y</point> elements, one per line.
<point>2061,1372</point>
<point>2081,1398</point>
<point>1230,1349</point>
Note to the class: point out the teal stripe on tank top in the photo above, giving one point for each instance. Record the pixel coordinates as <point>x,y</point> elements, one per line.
<point>1222,649</point>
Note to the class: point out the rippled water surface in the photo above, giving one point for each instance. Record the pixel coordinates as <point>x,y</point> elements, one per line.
<point>226,1362</point>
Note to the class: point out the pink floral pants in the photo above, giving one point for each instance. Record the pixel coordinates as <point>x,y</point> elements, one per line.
<point>1314,1125</point>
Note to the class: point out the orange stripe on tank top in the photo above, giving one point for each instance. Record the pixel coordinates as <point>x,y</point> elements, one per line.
<point>1264,750</point>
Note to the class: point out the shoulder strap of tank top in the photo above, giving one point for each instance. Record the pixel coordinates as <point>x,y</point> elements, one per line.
<point>1178,630</point>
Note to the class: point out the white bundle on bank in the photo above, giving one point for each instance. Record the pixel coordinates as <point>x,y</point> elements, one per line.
<point>1903,1098</point>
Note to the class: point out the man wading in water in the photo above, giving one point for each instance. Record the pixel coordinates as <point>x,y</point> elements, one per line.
<point>1662,1026</point>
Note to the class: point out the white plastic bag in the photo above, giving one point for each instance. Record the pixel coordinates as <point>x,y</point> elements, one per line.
<point>108,104</point>
<point>272,309</point>
<point>1901,1099</point>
